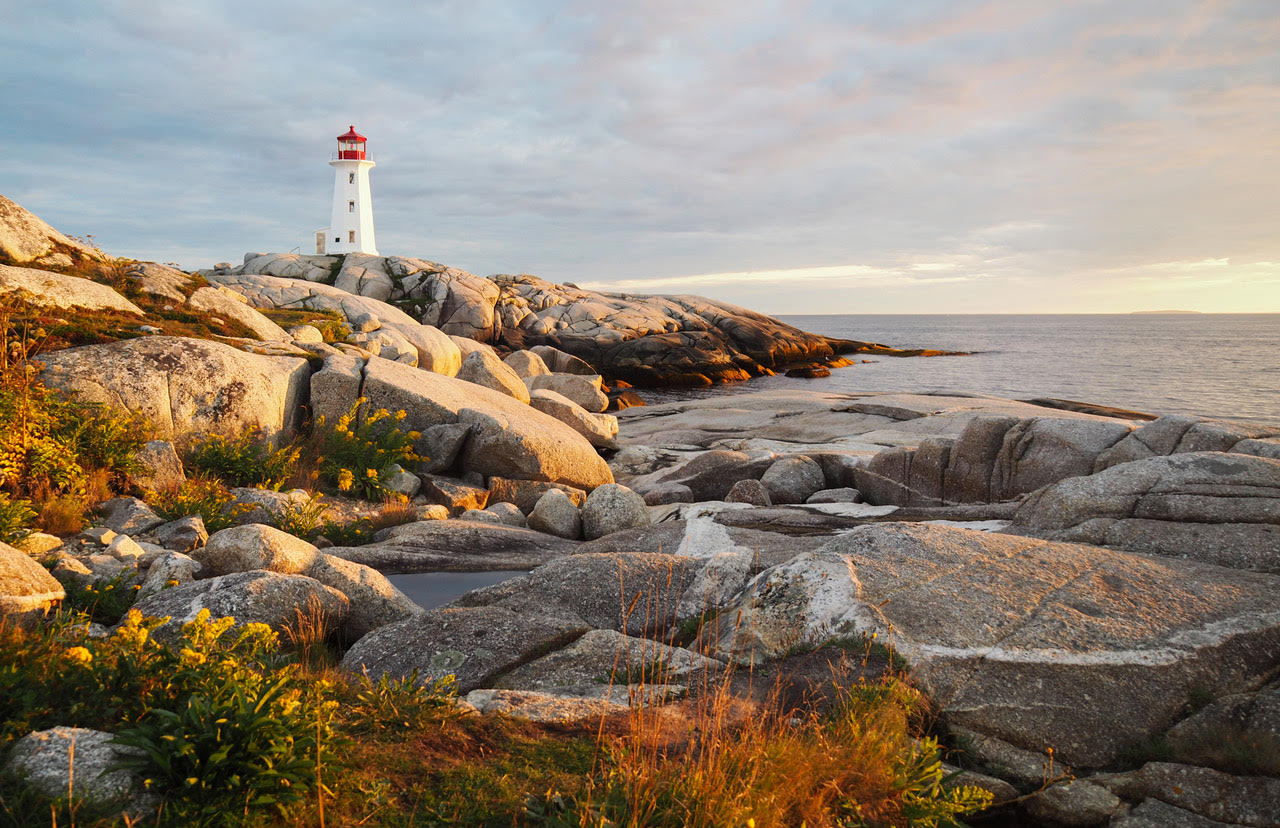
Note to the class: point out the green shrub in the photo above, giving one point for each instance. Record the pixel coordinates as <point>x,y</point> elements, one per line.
<point>16,517</point>
<point>247,460</point>
<point>104,601</point>
<point>199,495</point>
<point>354,453</point>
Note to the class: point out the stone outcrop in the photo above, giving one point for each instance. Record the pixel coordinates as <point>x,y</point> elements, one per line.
<point>1042,644</point>
<point>26,587</point>
<point>26,238</point>
<point>1211,506</point>
<point>53,290</point>
<point>456,545</point>
<point>231,305</point>
<point>76,760</point>
<point>185,386</point>
<point>507,438</point>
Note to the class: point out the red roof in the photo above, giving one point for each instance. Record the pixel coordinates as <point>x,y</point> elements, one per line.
<point>352,135</point>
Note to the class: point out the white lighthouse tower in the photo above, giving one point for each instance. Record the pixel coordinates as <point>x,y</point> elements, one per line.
<point>350,227</point>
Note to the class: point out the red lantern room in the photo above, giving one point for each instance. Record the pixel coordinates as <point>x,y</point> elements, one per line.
<point>351,146</point>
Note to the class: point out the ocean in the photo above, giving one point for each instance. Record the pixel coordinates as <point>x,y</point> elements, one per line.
<point>1216,365</point>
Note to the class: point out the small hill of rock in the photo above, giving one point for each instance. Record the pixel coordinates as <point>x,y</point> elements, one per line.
<point>26,238</point>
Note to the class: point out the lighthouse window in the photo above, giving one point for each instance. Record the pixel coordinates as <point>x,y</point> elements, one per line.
<point>351,236</point>
<point>351,206</point>
<point>351,178</point>
<point>337,238</point>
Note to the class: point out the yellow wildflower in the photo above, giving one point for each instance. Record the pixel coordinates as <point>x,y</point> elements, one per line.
<point>79,654</point>
<point>345,480</point>
<point>372,474</point>
<point>400,415</point>
<point>191,657</point>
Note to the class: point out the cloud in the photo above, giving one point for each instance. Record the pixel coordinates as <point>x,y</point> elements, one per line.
<point>655,143</point>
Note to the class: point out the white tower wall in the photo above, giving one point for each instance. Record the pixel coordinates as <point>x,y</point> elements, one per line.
<point>351,222</point>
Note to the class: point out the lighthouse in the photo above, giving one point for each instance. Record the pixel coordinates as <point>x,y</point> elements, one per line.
<point>350,227</point>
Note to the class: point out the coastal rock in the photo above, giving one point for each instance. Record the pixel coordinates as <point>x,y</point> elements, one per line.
<point>53,290</point>
<point>1018,638</point>
<point>486,369</point>
<point>185,386</point>
<point>24,237</point>
<point>170,569</point>
<point>160,281</point>
<point>128,515</point>
<point>270,598</point>
<point>612,508</point>
<point>635,593</point>
<point>526,493</point>
<point>556,514</point>
<point>583,390</point>
<point>793,480</point>
<point>559,362</point>
<point>1237,800</point>
<point>552,708</point>
<point>842,495</point>
<point>752,492</point>
<point>453,494</point>
<point>157,467</point>
<point>710,475</point>
<point>601,430</point>
<point>1078,802</point>
<point>1208,506</point>
<point>228,304</point>
<point>456,546</point>
<point>374,601</point>
<point>336,387</point>
<point>473,644</point>
<point>255,546</point>
<point>440,445</point>
<point>507,513</point>
<point>466,345</point>
<point>76,760</point>
<point>507,438</point>
<point>1152,813</point>
<point>526,364</point>
<point>436,351</point>
<point>610,658</point>
<point>26,588</point>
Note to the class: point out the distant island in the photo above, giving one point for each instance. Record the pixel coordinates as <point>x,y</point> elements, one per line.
<point>1138,313</point>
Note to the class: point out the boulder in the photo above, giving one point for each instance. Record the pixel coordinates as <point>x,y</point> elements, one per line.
<point>608,657</point>
<point>601,430</point>
<point>711,474</point>
<point>257,505</point>
<point>560,362</point>
<point>507,438</point>
<point>26,588</point>
<point>526,493</point>
<point>401,482</point>
<point>749,491</point>
<point>227,304</point>
<point>635,593</point>
<point>466,345</point>
<point>128,515</point>
<point>24,237</point>
<point>158,468</point>
<point>586,391</point>
<point>78,761</point>
<point>440,445</point>
<point>1154,439</point>
<point>185,386</point>
<point>1044,450</point>
<point>456,546</point>
<point>661,494</point>
<point>374,601</point>
<point>793,479</point>
<point>365,274</point>
<point>556,514</point>
<point>1209,506</point>
<point>53,290</point>
<point>507,513</point>
<point>1019,638</point>
<point>612,508</point>
<point>473,644</point>
<point>486,369</point>
<point>551,708</point>
<point>168,570</point>
<point>526,364</point>
<point>270,598</point>
<point>453,494</point>
<point>255,546</point>
<point>482,516</point>
<point>335,388</point>
<point>842,495</point>
<point>1152,813</point>
<point>1078,802</point>
<point>1236,800</point>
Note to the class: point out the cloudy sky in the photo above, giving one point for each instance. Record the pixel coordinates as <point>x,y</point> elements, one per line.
<point>853,156</point>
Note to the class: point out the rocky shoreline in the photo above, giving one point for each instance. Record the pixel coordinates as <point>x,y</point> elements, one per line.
<point>1090,598</point>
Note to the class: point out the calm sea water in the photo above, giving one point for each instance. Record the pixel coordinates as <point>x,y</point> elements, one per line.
<point>1219,365</point>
